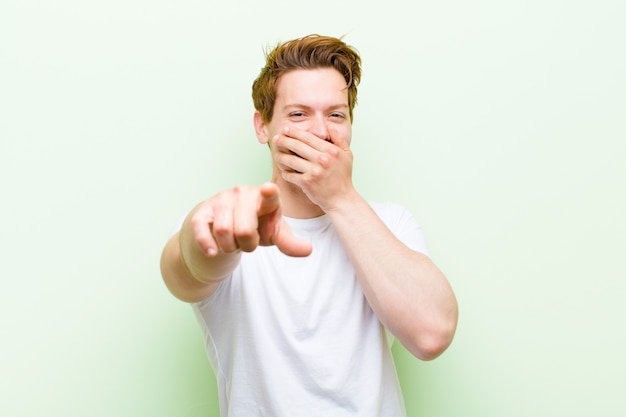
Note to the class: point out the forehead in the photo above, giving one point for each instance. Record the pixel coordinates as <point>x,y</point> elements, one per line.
<point>303,83</point>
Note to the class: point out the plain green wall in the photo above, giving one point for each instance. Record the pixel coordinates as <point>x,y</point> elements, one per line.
<point>501,125</point>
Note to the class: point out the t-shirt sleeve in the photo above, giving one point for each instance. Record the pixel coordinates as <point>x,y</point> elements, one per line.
<point>177,226</point>
<point>403,225</point>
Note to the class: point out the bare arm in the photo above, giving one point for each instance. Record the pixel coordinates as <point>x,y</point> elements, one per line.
<point>208,247</point>
<point>408,293</point>
<point>184,284</point>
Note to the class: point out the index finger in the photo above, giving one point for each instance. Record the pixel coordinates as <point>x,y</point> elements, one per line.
<point>269,200</point>
<point>306,137</point>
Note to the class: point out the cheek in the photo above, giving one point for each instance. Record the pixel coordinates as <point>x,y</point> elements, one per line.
<point>272,132</point>
<point>346,133</point>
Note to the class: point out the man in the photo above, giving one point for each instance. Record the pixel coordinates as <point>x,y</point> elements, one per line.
<point>300,285</point>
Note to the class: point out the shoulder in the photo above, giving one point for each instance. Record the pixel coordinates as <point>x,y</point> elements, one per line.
<point>400,221</point>
<point>390,212</point>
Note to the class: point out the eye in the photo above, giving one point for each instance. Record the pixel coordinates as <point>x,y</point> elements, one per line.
<point>296,114</point>
<point>337,115</point>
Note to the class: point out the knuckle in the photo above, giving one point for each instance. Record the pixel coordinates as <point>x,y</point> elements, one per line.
<point>221,229</point>
<point>245,232</point>
<point>316,172</point>
<point>196,220</point>
<point>306,183</point>
<point>199,223</point>
<point>249,243</point>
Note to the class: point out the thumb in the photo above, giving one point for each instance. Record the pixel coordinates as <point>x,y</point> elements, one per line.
<point>289,244</point>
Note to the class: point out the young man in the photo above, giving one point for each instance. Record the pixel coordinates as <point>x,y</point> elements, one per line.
<point>300,285</point>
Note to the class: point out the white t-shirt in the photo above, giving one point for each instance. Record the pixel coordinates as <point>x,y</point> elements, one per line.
<point>296,337</point>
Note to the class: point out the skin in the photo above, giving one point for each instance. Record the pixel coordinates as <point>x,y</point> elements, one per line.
<point>309,137</point>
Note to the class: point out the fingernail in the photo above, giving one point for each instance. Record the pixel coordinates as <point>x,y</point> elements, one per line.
<point>211,252</point>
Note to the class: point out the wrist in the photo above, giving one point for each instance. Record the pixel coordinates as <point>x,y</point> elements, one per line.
<point>347,203</point>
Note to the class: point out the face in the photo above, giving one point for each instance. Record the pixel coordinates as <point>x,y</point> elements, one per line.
<point>312,100</point>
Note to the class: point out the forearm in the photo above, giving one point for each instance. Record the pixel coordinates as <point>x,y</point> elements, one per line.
<point>189,274</point>
<point>409,294</point>
<point>208,247</point>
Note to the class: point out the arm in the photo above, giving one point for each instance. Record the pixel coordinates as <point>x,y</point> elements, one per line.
<point>208,247</point>
<point>408,293</point>
<point>208,272</point>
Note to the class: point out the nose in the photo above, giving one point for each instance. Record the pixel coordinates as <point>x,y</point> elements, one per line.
<point>319,128</point>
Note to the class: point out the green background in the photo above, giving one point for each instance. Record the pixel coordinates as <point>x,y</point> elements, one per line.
<point>500,125</point>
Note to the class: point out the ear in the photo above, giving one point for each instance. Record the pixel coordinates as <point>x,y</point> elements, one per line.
<point>261,129</point>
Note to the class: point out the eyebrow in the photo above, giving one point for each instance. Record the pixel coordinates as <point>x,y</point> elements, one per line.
<point>341,106</point>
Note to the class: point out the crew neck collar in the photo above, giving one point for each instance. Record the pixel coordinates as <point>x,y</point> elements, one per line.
<point>315,223</point>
